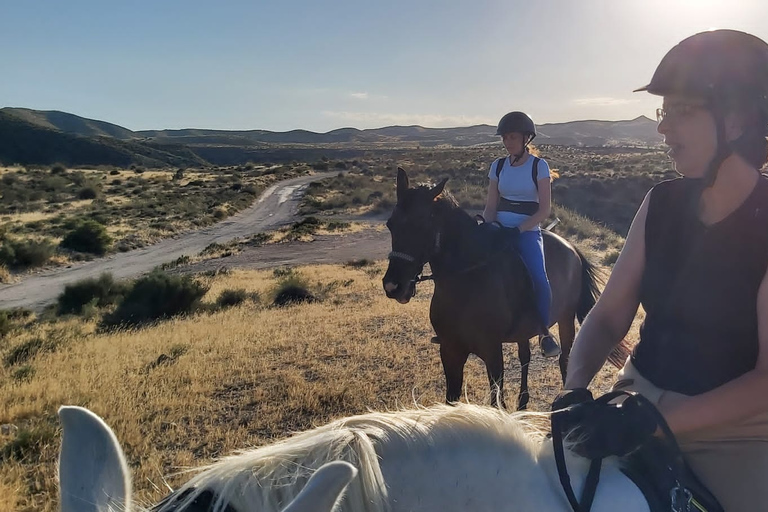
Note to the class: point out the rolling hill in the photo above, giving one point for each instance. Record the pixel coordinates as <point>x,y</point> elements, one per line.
<point>44,137</point>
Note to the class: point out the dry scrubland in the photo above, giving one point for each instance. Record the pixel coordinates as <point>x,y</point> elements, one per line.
<point>185,391</point>
<point>54,215</point>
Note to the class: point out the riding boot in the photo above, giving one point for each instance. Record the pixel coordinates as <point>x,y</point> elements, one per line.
<point>549,345</point>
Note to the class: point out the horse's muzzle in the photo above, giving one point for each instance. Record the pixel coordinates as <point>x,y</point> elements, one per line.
<point>402,293</point>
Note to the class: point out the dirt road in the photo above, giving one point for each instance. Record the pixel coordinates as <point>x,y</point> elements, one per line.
<point>276,207</point>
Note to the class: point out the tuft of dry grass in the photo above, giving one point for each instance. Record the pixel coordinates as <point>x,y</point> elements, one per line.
<point>183,392</point>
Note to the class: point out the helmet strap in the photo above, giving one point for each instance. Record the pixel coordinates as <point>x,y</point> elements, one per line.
<point>518,156</point>
<point>723,151</point>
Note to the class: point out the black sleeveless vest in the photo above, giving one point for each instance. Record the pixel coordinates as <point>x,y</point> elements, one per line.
<point>699,290</point>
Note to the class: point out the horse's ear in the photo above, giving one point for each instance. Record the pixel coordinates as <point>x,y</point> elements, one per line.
<point>324,489</point>
<point>438,189</point>
<point>402,182</point>
<point>93,474</point>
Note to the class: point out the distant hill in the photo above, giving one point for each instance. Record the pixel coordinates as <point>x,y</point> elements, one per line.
<point>35,136</point>
<point>636,132</point>
<point>23,142</point>
<point>70,123</point>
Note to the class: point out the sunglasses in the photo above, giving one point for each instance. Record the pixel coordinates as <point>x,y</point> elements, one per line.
<point>678,111</point>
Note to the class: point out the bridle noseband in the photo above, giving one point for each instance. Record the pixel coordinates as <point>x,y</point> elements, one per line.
<point>397,255</point>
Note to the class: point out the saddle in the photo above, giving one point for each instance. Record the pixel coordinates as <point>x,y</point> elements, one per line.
<point>666,489</point>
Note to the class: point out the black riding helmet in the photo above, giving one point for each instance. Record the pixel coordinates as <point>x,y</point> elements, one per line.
<point>517,122</point>
<point>729,69</point>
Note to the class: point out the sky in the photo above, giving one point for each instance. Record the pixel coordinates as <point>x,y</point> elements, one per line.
<point>320,65</point>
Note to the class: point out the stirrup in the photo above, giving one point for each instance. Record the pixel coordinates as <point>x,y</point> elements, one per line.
<point>549,346</point>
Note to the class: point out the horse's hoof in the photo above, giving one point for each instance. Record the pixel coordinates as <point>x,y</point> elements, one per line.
<point>549,347</point>
<point>435,340</point>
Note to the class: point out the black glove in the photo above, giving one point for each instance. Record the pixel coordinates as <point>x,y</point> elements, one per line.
<point>512,232</point>
<point>605,430</point>
<point>569,397</point>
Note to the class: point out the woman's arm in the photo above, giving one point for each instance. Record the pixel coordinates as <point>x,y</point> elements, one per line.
<point>491,201</point>
<point>610,319</point>
<point>739,399</point>
<point>545,205</point>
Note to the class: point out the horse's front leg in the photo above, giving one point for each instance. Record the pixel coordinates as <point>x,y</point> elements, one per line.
<point>453,358</point>
<point>494,365</point>
<point>524,355</point>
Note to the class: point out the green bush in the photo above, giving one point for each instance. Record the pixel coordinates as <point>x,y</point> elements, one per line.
<point>157,296</point>
<point>291,288</point>
<point>230,298</point>
<point>101,292</point>
<point>89,236</point>
<point>89,192</point>
<point>25,254</point>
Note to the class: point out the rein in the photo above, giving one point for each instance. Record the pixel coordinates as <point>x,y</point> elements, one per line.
<point>681,497</point>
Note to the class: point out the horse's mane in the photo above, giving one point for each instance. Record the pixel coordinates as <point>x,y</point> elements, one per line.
<point>267,478</point>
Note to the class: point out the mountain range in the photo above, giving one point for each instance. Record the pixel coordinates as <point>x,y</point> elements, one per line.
<point>44,137</point>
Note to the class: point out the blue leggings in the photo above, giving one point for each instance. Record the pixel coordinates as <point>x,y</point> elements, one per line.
<point>530,245</point>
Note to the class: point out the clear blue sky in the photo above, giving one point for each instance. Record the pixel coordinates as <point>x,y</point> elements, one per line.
<point>320,65</point>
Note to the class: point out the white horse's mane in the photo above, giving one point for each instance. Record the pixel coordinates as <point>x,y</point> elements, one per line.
<point>265,479</point>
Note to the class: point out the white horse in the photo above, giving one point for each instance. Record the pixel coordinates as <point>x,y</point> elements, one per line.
<point>463,458</point>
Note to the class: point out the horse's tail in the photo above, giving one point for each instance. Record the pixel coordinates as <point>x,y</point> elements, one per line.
<point>591,279</point>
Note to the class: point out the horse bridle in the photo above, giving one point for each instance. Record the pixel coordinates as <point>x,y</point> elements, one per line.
<point>393,255</point>
<point>436,248</point>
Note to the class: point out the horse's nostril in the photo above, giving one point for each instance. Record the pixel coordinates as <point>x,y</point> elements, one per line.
<point>389,286</point>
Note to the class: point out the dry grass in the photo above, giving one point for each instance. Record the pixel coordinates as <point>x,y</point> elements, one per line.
<point>233,379</point>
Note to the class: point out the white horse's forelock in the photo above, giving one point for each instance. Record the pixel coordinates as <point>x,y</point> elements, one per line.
<point>266,479</point>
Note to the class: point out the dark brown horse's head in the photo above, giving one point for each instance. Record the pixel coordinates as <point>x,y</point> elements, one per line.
<point>414,233</point>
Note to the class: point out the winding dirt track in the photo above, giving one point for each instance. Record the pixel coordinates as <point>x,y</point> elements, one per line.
<point>276,207</point>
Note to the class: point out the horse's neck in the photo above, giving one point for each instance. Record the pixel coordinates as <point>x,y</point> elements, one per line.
<point>489,472</point>
<point>455,249</point>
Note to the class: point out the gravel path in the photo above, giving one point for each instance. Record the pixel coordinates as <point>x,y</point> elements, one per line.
<point>276,207</point>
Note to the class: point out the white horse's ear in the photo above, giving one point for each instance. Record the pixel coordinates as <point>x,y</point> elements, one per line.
<point>324,489</point>
<point>93,474</point>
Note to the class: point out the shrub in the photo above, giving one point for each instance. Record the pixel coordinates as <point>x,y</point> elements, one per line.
<point>230,298</point>
<point>292,288</point>
<point>5,324</point>
<point>89,236</point>
<point>89,192</point>
<point>157,296</point>
<point>5,275</point>
<point>101,292</point>
<point>25,254</point>
<point>24,352</point>
<point>29,443</point>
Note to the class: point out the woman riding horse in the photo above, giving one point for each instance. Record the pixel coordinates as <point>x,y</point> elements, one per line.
<point>696,258</point>
<point>519,197</point>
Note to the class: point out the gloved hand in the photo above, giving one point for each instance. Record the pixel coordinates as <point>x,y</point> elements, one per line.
<point>512,232</point>
<point>569,397</point>
<point>605,430</point>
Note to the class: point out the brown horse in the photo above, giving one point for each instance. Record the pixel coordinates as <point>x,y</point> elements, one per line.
<point>483,293</point>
